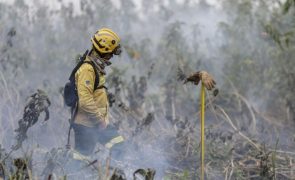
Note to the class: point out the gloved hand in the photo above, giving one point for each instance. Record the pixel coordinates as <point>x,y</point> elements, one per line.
<point>102,124</point>
<point>203,76</point>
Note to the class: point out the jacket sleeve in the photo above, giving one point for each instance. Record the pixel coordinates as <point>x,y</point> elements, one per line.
<point>85,85</point>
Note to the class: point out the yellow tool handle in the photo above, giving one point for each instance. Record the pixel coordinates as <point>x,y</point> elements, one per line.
<point>202,132</point>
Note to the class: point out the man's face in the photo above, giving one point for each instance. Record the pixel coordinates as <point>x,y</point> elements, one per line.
<point>106,58</point>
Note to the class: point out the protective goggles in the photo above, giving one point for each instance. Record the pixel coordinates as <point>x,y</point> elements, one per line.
<point>117,50</point>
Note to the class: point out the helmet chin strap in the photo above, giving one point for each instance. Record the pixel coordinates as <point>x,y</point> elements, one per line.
<point>104,61</point>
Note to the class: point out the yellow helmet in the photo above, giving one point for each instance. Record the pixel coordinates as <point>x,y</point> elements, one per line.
<point>106,41</point>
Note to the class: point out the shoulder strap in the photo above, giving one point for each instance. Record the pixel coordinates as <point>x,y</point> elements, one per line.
<point>81,61</point>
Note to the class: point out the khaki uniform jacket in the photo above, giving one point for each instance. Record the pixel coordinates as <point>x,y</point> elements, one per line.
<point>93,105</point>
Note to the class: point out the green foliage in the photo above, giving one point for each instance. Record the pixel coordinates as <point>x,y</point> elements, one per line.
<point>288,5</point>
<point>185,175</point>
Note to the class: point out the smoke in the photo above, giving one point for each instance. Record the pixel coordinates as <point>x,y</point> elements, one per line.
<point>157,36</point>
<point>49,39</point>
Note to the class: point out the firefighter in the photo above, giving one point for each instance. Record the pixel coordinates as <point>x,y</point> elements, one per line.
<point>91,122</point>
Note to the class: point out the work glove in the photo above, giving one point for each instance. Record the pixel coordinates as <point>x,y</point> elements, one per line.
<point>101,121</point>
<point>203,76</point>
<point>102,124</point>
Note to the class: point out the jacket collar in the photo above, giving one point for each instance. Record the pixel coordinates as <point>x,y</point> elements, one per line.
<point>98,64</point>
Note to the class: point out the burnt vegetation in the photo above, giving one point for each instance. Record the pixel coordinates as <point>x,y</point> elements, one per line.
<point>250,117</point>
